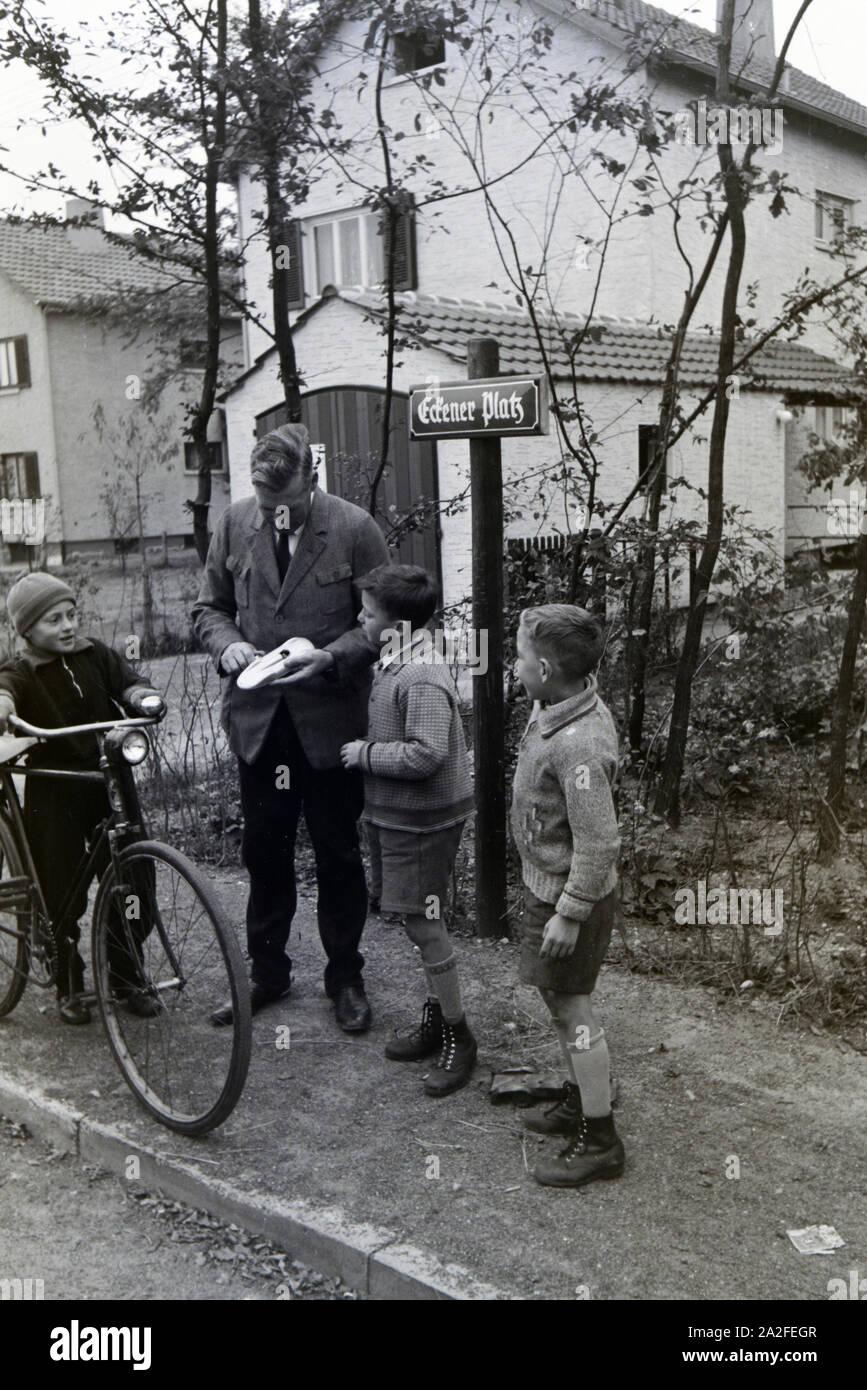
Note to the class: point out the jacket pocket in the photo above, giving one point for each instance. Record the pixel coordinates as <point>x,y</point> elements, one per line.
<point>335,587</point>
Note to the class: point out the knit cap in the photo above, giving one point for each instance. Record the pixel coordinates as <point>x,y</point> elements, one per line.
<point>32,596</point>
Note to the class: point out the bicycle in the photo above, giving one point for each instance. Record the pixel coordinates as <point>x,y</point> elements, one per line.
<point>158,929</point>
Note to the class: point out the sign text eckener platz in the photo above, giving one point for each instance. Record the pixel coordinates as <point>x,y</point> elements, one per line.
<point>492,406</point>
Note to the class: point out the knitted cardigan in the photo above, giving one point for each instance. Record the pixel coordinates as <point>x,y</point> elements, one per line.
<point>414,759</point>
<point>563,817</point>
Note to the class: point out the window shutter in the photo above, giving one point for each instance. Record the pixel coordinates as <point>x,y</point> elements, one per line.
<point>31,475</point>
<point>405,273</point>
<point>22,361</point>
<point>294,271</point>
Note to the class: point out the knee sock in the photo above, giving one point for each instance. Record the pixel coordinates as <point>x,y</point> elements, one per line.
<point>590,1068</point>
<point>443,980</point>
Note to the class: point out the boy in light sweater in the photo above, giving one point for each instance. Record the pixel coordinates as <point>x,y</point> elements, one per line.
<point>417,795</point>
<point>565,828</point>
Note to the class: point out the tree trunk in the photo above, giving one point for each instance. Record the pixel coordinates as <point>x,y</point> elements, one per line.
<point>668,795</point>
<point>276,214</point>
<point>829,817</point>
<point>200,504</point>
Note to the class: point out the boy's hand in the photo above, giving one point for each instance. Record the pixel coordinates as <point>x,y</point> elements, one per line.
<point>7,708</point>
<point>148,703</point>
<point>560,939</point>
<point>350,753</point>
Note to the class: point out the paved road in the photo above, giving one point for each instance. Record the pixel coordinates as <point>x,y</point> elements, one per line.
<point>88,1235</point>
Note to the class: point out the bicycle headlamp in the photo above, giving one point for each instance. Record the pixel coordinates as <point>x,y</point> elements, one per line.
<point>129,744</point>
<point>134,747</point>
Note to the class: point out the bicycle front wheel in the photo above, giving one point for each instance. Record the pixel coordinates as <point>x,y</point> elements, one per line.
<point>15,911</point>
<point>164,957</point>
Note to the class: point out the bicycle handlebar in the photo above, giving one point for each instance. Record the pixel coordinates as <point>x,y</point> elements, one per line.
<point>34,732</point>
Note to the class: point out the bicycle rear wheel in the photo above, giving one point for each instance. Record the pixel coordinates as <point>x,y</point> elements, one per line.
<point>15,909</point>
<point>160,931</point>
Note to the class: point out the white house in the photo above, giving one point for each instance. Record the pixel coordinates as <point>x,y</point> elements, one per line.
<point>562,231</point>
<point>58,361</point>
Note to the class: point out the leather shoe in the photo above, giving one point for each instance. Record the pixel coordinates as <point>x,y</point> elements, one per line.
<point>259,998</point>
<point>352,1009</point>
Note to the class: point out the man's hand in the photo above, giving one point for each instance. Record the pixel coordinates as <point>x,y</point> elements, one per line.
<point>350,753</point>
<point>7,707</point>
<point>236,656</point>
<point>560,939</point>
<point>304,666</point>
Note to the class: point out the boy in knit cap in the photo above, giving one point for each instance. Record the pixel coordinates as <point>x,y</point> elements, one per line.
<point>565,828</point>
<point>417,795</point>
<point>60,678</point>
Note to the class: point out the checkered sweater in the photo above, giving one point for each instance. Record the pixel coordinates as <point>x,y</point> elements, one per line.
<point>415,761</point>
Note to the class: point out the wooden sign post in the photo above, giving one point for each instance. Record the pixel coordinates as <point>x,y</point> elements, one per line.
<point>489,734</point>
<point>484,408</point>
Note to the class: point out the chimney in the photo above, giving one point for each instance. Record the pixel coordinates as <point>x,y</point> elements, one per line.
<point>753,33</point>
<point>88,236</point>
<point>83,207</point>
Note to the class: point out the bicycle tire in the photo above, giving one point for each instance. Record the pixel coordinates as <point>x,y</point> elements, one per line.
<point>186,1073</point>
<point>14,950</point>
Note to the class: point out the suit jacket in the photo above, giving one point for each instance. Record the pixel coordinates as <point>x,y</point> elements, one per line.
<point>241,599</point>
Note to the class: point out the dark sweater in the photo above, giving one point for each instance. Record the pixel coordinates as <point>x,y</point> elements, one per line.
<point>85,687</point>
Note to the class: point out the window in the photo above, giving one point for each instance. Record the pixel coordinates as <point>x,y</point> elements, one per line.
<point>216,462</point>
<point>14,363</point>
<point>19,475</point>
<point>833,217</point>
<point>830,419</point>
<point>350,250</point>
<point>647,436</point>
<point>418,49</point>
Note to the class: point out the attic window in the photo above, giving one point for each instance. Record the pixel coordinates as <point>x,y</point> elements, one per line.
<point>418,49</point>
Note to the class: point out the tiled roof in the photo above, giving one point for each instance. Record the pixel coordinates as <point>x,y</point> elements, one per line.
<point>680,39</point>
<point>614,349</point>
<point>59,267</point>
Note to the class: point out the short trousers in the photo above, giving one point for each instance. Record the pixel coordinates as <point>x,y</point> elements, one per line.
<point>577,973</point>
<point>416,867</point>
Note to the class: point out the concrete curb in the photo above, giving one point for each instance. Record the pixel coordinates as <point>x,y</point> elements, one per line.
<point>371,1260</point>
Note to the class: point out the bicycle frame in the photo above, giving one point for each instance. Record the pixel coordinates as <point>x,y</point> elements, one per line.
<point>125,818</point>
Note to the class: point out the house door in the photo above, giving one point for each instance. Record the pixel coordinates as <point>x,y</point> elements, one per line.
<point>346,421</point>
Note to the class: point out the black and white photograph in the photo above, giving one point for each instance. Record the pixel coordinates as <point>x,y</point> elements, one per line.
<point>433,695</point>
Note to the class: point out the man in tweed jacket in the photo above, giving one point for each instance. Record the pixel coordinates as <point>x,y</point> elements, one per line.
<point>283,564</point>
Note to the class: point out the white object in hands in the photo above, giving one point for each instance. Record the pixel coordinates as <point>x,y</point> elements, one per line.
<point>273,665</point>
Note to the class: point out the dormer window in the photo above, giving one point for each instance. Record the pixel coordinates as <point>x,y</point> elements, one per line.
<point>418,49</point>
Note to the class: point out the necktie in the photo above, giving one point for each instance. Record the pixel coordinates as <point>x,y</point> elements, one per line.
<point>282,548</point>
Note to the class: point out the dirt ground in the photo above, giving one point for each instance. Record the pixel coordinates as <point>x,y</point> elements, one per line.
<point>702,1081</point>
<point>112,1240</point>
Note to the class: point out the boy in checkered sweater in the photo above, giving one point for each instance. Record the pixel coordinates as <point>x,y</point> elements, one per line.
<point>418,793</point>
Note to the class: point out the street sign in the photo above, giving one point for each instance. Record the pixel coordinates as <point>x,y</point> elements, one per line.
<point>489,408</point>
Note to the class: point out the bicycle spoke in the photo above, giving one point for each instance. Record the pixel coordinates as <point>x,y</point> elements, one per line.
<point>186,961</point>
